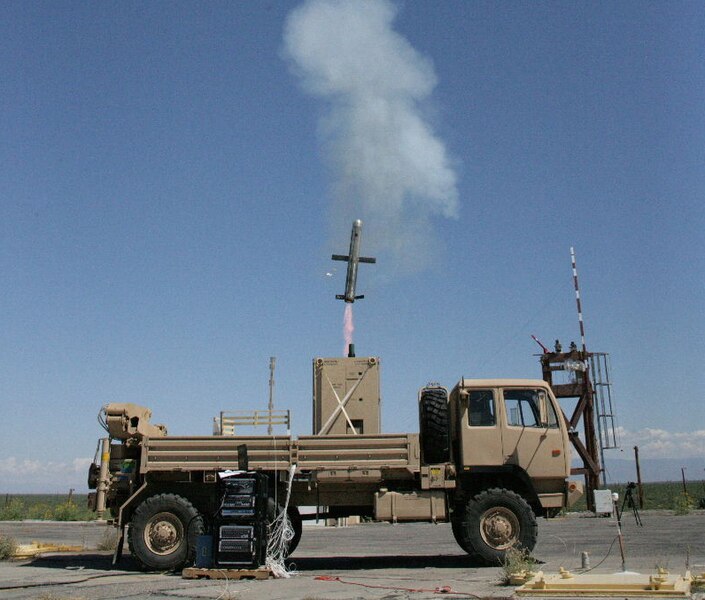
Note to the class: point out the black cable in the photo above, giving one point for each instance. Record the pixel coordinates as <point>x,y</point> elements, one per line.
<point>605,557</point>
<point>52,583</point>
<point>103,420</point>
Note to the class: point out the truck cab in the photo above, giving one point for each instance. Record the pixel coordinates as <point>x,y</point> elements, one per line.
<point>507,445</point>
<point>514,428</point>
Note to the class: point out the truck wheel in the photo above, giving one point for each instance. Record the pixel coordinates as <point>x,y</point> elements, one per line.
<point>294,518</point>
<point>162,533</point>
<point>495,521</point>
<point>433,422</point>
<point>297,524</point>
<point>456,526</point>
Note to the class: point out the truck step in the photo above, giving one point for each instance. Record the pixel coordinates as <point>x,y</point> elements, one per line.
<point>197,573</point>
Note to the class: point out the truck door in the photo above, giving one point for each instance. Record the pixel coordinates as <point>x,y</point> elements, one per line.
<point>532,437</point>
<point>479,431</point>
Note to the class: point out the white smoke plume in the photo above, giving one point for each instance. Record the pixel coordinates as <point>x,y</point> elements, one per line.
<point>390,168</point>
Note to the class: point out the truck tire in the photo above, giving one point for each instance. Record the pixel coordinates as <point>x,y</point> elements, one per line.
<point>296,522</point>
<point>162,533</point>
<point>433,422</point>
<point>456,526</point>
<point>494,521</point>
<point>294,518</point>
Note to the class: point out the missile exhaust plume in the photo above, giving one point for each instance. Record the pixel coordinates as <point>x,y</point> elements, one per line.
<point>348,327</point>
<point>389,166</point>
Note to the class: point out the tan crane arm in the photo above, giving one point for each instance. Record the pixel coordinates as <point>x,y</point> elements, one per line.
<point>124,420</point>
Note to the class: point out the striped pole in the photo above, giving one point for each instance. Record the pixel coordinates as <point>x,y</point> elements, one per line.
<point>577,299</point>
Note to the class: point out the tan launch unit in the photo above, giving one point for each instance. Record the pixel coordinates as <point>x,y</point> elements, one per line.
<point>127,421</point>
<point>346,396</point>
<point>490,456</point>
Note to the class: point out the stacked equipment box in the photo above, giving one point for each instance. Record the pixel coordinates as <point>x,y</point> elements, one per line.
<point>240,526</point>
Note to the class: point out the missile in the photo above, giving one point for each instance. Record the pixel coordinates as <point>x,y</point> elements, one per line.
<point>353,259</point>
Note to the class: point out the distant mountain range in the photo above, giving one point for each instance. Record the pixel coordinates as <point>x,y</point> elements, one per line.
<point>622,470</point>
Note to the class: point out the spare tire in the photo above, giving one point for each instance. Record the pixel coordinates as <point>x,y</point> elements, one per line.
<point>434,425</point>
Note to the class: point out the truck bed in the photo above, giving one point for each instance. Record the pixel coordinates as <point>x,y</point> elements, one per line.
<point>269,453</point>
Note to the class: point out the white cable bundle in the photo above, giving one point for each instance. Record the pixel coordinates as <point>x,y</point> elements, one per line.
<point>281,533</point>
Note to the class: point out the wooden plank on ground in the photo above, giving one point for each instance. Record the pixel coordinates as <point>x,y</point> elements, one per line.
<point>196,573</point>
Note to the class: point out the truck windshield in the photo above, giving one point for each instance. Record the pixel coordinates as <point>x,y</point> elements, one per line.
<point>481,408</point>
<point>523,408</point>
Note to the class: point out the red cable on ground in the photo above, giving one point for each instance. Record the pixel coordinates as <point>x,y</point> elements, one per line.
<point>439,590</point>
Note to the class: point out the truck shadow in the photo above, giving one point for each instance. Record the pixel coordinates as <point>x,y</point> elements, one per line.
<point>98,561</point>
<point>354,563</point>
<point>103,562</point>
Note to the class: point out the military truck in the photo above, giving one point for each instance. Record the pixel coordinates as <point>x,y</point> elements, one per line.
<point>491,455</point>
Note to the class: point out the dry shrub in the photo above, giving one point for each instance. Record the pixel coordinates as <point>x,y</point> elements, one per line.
<point>516,561</point>
<point>8,546</point>
<point>109,541</point>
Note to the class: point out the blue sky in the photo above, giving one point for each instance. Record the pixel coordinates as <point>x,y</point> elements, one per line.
<point>171,192</point>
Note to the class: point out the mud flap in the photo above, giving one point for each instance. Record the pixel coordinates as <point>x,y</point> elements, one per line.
<point>117,555</point>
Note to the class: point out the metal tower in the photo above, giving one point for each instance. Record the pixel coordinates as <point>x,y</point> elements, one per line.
<point>589,383</point>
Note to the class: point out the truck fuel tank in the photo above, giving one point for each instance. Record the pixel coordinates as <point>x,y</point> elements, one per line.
<point>411,506</point>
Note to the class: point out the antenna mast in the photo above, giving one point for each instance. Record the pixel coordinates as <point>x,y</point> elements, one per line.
<point>272,364</point>
<point>577,299</point>
<point>578,361</point>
